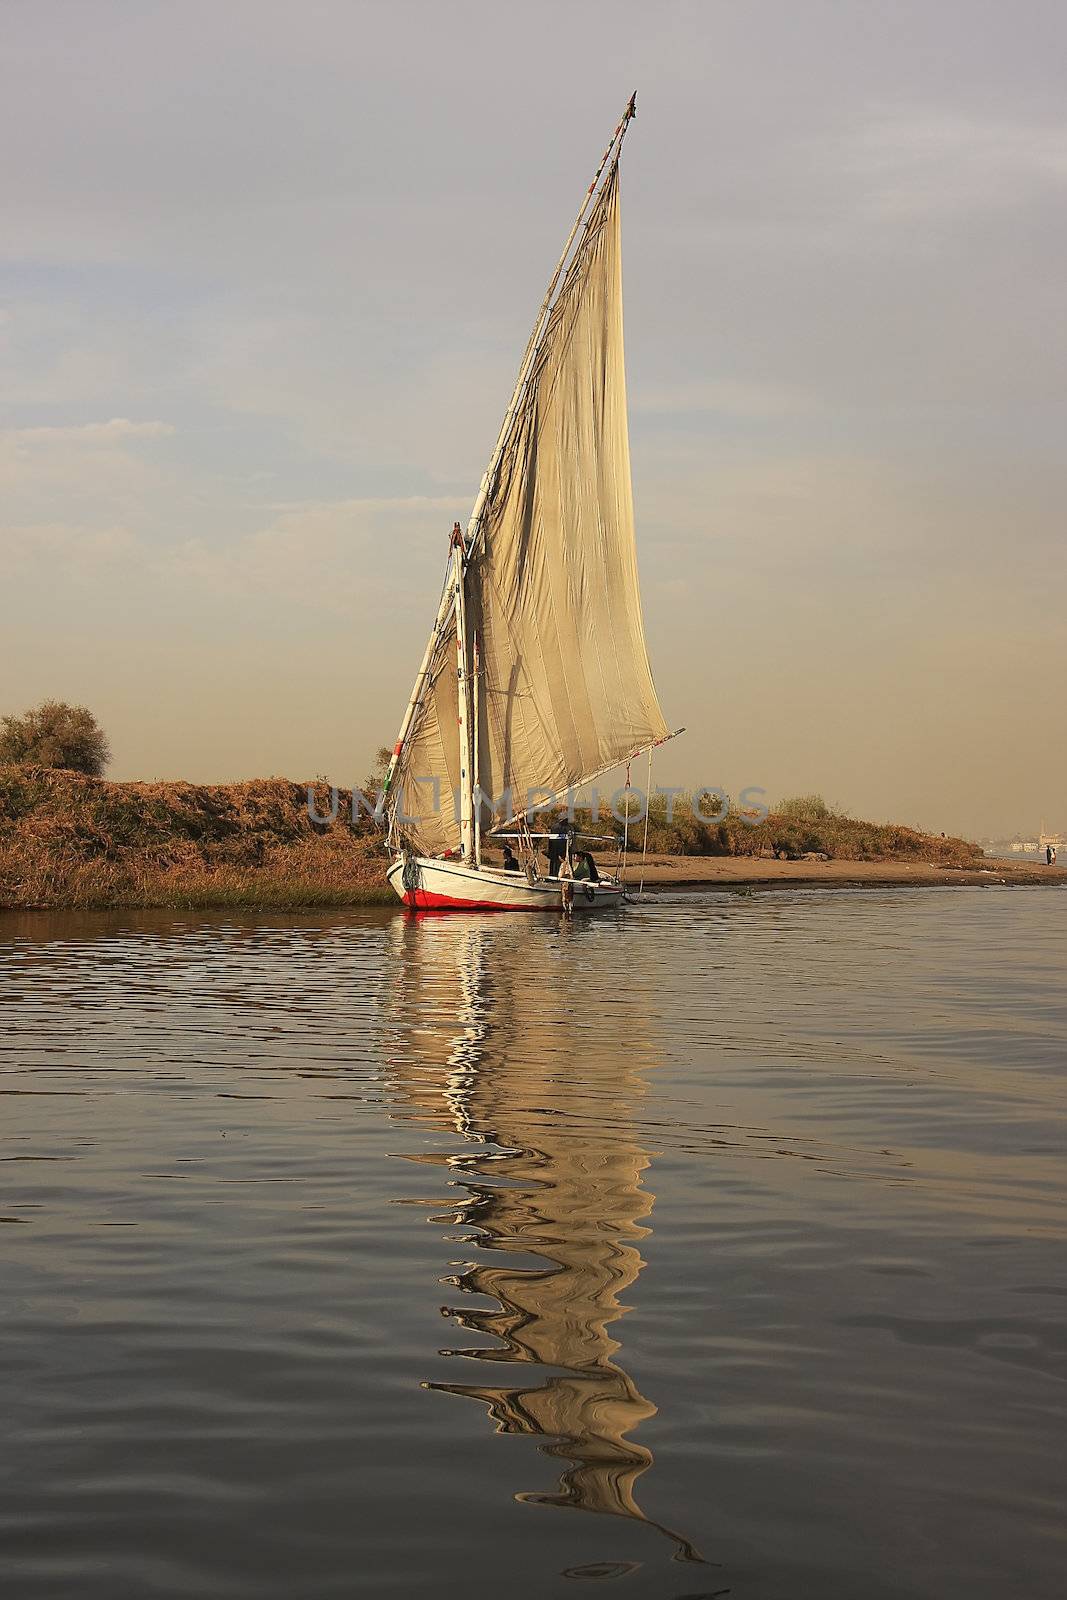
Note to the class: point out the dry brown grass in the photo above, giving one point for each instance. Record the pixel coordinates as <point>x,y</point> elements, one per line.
<point>800,827</point>
<point>73,841</point>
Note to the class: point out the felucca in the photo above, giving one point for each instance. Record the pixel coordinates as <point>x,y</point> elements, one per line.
<point>536,679</point>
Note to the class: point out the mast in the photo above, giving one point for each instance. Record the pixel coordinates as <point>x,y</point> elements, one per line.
<point>466,774</point>
<point>449,601</point>
<point>476,774</point>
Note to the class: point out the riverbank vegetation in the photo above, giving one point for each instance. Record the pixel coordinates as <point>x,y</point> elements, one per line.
<point>68,840</point>
<point>797,828</point>
<point>73,841</point>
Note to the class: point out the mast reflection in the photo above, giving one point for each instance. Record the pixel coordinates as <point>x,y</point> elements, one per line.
<point>492,1038</point>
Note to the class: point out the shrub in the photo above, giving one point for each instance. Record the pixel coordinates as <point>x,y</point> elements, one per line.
<point>55,734</point>
<point>804,808</point>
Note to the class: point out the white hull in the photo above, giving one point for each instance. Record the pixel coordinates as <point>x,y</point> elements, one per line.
<point>452,886</point>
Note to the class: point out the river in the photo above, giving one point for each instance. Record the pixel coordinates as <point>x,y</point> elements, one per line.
<point>713,1248</point>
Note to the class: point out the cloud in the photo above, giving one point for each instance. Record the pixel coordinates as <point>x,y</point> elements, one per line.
<point>92,473</point>
<point>54,548</point>
<point>752,402</point>
<point>367,503</point>
<point>349,557</point>
<point>90,433</point>
<point>918,163</point>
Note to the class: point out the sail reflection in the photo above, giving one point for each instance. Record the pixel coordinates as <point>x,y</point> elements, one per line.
<point>489,1040</point>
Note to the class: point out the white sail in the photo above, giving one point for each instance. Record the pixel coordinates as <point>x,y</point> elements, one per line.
<point>553,606</point>
<point>428,773</point>
<point>553,590</point>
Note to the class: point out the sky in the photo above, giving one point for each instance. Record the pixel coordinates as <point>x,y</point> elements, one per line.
<point>266,272</point>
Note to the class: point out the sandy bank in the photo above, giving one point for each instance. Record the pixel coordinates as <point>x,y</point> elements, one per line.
<point>735,872</point>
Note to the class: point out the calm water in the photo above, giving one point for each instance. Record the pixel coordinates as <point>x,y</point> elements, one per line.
<point>715,1249</point>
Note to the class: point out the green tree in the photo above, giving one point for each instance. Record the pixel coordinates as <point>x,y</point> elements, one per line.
<point>372,783</point>
<point>55,734</point>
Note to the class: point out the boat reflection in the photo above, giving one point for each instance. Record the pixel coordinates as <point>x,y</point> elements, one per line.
<point>491,1038</point>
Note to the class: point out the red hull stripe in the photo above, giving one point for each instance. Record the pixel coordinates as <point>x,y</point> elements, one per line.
<point>426,900</point>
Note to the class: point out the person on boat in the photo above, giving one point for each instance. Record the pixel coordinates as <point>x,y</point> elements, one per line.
<point>585,869</point>
<point>566,883</point>
<point>557,844</point>
<point>511,861</point>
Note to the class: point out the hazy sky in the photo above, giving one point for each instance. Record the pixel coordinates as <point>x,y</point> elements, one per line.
<point>267,273</point>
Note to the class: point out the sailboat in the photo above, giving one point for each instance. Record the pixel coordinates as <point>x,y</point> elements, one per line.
<point>535,680</point>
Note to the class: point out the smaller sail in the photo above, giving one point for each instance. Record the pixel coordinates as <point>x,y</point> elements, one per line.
<point>427,777</point>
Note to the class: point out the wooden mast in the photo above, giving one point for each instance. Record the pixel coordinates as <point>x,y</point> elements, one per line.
<point>476,771</point>
<point>466,771</point>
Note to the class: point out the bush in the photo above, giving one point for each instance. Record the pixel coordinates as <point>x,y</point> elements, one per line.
<point>55,734</point>
<point>805,808</point>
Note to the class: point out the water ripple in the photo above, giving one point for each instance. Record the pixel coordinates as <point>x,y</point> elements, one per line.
<point>740,1221</point>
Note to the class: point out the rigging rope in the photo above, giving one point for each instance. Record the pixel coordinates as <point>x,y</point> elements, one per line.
<point>625,822</point>
<point>648,808</point>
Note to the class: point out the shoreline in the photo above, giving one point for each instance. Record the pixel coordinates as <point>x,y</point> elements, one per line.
<point>752,872</point>
<point>740,873</point>
<point>70,842</point>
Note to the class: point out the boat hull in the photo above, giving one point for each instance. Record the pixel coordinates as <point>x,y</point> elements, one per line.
<point>451,886</point>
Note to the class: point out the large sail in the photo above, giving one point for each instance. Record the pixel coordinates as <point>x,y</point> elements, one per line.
<point>565,684</point>
<point>564,689</point>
